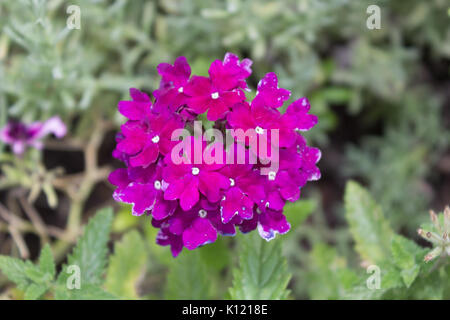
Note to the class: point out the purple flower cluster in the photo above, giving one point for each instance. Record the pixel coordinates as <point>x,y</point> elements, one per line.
<point>20,135</point>
<point>191,203</point>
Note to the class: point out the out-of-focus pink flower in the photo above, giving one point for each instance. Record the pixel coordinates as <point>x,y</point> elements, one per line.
<point>20,135</point>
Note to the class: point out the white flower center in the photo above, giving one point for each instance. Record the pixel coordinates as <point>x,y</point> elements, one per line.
<point>215,95</point>
<point>259,130</point>
<point>195,171</point>
<point>202,213</point>
<point>272,175</point>
<point>180,89</point>
<point>155,139</point>
<point>232,182</point>
<point>157,185</point>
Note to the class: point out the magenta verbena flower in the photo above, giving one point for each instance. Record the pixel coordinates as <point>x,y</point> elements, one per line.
<point>191,199</point>
<point>20,135</point>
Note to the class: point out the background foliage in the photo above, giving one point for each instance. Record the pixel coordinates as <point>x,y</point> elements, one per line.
<point>383,101</point>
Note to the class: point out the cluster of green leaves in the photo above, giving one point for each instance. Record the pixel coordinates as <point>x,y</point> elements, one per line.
<point>98,279</point>
<point>262,271</point>
<point>399,261</point>
<point>205,273</point>
<point>34,280</point>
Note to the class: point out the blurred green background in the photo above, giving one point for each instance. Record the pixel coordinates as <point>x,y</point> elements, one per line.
<point>382,98</point>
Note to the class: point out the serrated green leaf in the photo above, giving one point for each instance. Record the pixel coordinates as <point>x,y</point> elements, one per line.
<point>404,252</point>
<point>262,272</point>
<point>35,274</point>
<point>188,278</point>
<point>390,279</point>
<point>409,275</point>
<point>86,292</point>
<point>27,276</point>
<point>126,266</point>
<point>35,291</point>
<point>16,270</point>
<point>370,230</point>
<point>47,263</point>
<point>91,249</point>
<point>425,287</point>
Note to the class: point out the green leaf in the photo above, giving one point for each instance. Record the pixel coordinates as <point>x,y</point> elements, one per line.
<point>35,274</point>
<point>390,279</point>
<point>188,278</point>
<point>15,270</point>
<point>216,255</point>
<point>425,287</point>
<point>27,276</point>
<point>124,220</point>
<point>370,230</point>
<point>404,253</point>
<point>328,275</point>
<point>86,292</point>
<point>262,273</point>
<point>90,252</point>
<point>35,291</point>
<point>158,253</point>
<point>126,266</point>
<point>409,275</point>
<point>47,263</point>
<point>296,213</point>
